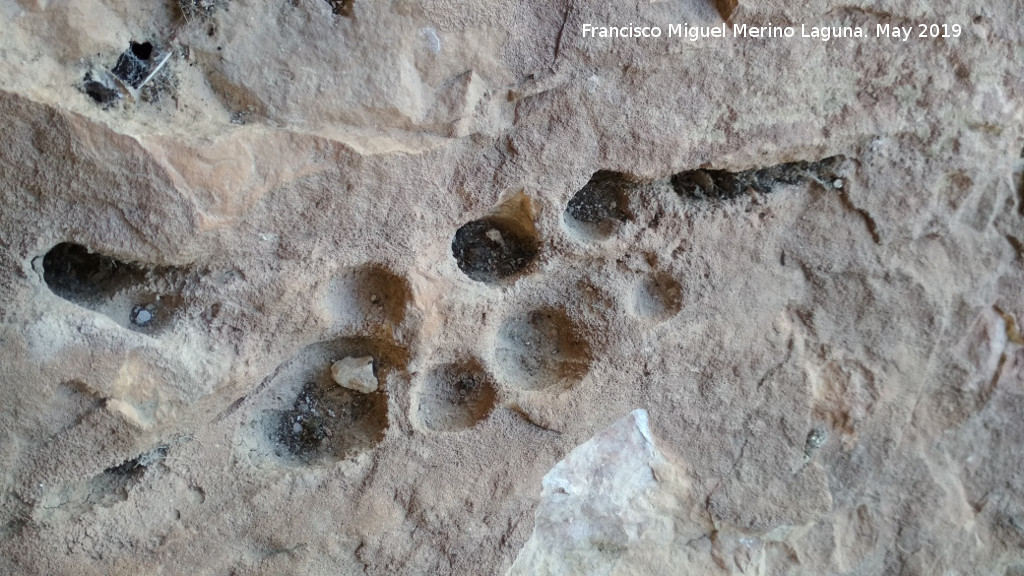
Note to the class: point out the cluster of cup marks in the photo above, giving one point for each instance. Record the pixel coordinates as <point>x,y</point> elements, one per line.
<point>337,414</point>
<point>329,418</point>
<point>322,417</point>
<point>540,349</point>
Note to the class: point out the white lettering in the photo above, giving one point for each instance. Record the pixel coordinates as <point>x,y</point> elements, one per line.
<point>769,31</point>
<point>893,32</point>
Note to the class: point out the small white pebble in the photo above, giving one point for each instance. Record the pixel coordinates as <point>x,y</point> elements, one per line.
<point>296,428</point>
<point>355,374</point>
<point>838,183</point>
<point>143,317</point>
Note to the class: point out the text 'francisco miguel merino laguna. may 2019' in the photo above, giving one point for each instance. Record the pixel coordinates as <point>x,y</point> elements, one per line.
<point>823,33</point>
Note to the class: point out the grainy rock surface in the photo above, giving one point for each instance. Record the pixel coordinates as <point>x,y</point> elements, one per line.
<point>803,259</point>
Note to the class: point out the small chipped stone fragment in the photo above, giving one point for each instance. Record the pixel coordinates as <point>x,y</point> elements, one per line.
<point>143,315</point>
<point>355,374</point>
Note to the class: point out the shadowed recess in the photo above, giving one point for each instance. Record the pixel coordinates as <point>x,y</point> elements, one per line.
<point>600,206</point>
<point>493,248</point>
<point>455,396</point>
<point>541,349</point>
<point>709,184</point>
<point>139,298</point>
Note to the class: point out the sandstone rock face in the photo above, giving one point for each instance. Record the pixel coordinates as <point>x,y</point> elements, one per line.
<point>616,505</point>
<point>801,258</point>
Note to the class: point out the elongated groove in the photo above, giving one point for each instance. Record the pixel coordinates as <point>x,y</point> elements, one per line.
<point>710,184</point>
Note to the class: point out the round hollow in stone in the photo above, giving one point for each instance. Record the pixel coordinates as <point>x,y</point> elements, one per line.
<point>541,349</point>
<point>328,423</point>
<point>141,298</point>
<point>657,298</point>
<point>369,295</point>
<point>455,396</point>
<point>307,419</point>
<point>599,207</point>
<point>493,248</point>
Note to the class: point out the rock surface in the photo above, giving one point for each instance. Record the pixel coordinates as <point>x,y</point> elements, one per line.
<point>615,505</point>
<point>802,258</point>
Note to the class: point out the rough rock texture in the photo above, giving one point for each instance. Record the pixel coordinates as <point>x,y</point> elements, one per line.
<point>803,259</point>
<point>616,505</point>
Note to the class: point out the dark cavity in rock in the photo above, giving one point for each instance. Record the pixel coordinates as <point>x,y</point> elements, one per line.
<point>725,185</point>
<point>328,423</point>
<point>134,64</point>
<point>603,199</point>
<point>141,298</point>
<point>74,273</point>
<point>455,396</point>
<point>492,249</point>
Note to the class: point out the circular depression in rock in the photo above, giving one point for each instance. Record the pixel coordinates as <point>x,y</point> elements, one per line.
<point>597,210</point>
<point>541,349</point>
<point>657,298</point>
<point>494,248</point>
<point>455,396</point>
<point>369,294</point>
<point>310,419</point>
<point>328,423</point>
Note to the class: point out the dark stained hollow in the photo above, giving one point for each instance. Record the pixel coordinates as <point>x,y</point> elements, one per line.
<point>455,396</point>
<point>493,248</point>
<point>329,423</point>
<point>314,420</point>
<point>99,91</point>
<point>74,273</point>
<point>137,297</point>
<point>724,185</point>
<point>603,199</point>
<point>134,64</point>
<point>142,50</point>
